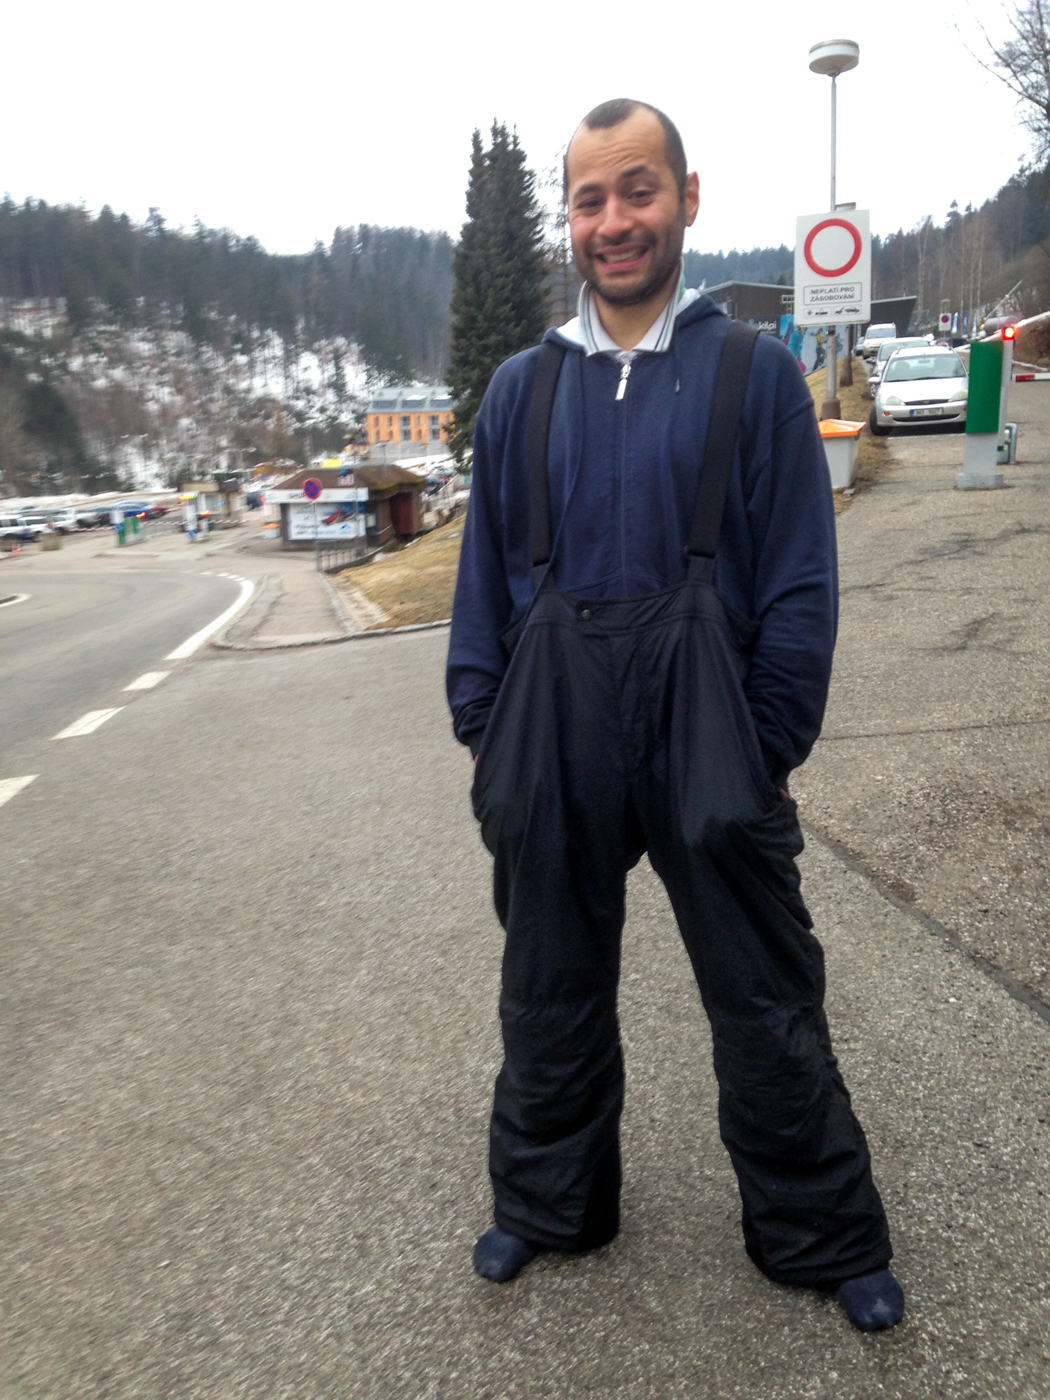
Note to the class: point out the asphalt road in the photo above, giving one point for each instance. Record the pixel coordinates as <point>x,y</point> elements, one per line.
<point>248,1040</point>
<point>81,637</point>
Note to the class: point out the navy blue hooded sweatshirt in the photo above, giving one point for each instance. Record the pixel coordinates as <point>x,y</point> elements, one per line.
<point>623,476</point>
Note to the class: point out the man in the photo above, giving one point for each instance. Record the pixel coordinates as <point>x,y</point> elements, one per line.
<point>640,653</point>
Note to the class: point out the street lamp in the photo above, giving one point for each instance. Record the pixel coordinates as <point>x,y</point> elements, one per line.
<point>831,58</point>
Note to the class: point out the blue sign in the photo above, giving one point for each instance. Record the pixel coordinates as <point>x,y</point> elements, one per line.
<point>312,489</point>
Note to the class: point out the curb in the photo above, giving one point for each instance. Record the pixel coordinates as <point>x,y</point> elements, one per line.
<point>341,615</point>
<point>224,643</point>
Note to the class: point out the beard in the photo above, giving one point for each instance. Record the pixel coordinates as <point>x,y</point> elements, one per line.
<point>667,254</point>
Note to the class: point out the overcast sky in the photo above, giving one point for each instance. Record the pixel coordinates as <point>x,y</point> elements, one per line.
<point>284,120</point>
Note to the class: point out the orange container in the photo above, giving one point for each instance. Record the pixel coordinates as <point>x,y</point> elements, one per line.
<point>841,448</point>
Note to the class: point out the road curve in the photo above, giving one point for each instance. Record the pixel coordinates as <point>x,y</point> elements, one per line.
<point>81,637</point>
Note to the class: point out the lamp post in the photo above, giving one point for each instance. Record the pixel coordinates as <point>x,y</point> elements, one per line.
<point>831,58</point>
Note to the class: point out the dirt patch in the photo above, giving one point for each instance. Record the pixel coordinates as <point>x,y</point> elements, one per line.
<point>415,584</point>
<point>1033,344</point>
<point>856,408</point>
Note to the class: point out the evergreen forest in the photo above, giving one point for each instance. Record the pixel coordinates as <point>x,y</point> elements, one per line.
<point>134,352</point>
<point>385,290</point>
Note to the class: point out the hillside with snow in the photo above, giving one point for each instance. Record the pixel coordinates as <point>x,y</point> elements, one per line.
<point>133,355</point>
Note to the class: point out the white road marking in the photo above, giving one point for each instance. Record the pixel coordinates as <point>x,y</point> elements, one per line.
<point>148,680</point>
<point>11,787</point>
<point>15,598</point>
<point>87,724</point>
<point>191,644</point>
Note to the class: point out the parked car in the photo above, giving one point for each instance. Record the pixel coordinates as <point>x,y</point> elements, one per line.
<point>885,350</point>
<point>145,510</point>
<point>16,527</point>
<point>63,519</point>
<point>152,511</point>
<point>874,337</point>
<point>927,385</point>
<point>139,508</point>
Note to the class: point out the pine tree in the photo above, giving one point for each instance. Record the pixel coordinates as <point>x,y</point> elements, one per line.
<point>498,300</point>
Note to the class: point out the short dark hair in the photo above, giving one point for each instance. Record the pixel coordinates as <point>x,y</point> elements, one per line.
<point>617,110</point>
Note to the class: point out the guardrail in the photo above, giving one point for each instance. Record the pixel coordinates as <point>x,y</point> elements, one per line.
<point>332,558</point>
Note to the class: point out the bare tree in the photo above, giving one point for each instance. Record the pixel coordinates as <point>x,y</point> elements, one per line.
<point>1022,62</point>
<point>15,451</point>
<point>562,280</point>
<point>922,240</point>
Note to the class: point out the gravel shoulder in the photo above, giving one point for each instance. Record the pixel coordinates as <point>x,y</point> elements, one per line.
<point>933,764</point>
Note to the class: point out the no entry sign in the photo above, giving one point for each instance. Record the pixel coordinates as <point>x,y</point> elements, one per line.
<point>832,269</point>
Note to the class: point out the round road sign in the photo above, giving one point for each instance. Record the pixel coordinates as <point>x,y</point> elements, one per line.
<point>851,261</point>
<point>312,489</point>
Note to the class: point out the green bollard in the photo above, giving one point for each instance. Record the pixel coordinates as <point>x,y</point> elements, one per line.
<point>991,364</point>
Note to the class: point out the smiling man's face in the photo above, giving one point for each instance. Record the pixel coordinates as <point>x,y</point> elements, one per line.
<point>626,217</point>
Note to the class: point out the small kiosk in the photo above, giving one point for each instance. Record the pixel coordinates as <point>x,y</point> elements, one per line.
<point>369,504</point>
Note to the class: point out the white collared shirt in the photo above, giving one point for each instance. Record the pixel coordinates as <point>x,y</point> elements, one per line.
<point>586,327</point>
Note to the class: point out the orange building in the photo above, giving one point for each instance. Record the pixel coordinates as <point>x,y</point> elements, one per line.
<point>417,413</point>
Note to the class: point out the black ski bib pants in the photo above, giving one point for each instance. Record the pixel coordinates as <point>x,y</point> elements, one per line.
<point>622,727</point>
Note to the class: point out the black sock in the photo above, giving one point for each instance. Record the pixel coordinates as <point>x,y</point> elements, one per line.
<point>501,1257</point>
<point>873,1301</point>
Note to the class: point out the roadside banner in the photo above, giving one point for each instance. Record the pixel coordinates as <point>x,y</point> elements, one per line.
<point>833,268</point>
<point>334,520</point>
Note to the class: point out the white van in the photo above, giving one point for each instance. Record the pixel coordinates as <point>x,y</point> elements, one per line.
<point>875,336</point>
<point>14,527</point>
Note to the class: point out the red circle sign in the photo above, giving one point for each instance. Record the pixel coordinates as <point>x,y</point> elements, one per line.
<point>312,488</point>
<point>858,247</point>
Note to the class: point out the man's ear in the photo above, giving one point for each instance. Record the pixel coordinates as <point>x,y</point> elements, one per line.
<point>692,197</point>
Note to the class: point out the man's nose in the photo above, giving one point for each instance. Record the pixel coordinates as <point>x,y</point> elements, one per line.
<point>617,219</point>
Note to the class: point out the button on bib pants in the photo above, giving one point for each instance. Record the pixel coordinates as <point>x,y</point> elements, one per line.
<point>622,727</point>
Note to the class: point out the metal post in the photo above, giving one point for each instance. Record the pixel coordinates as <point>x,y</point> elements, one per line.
<point>831,408</point>
<point>834,120</point>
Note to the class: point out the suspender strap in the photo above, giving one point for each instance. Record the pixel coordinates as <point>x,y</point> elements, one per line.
<point>548,367</point>
<point>727,406</point>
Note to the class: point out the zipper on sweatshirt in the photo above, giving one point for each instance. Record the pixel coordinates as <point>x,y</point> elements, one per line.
<point>622,414</point>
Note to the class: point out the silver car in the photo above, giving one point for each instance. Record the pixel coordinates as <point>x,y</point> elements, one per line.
<point>920,386</point>
<point>885,350</point>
